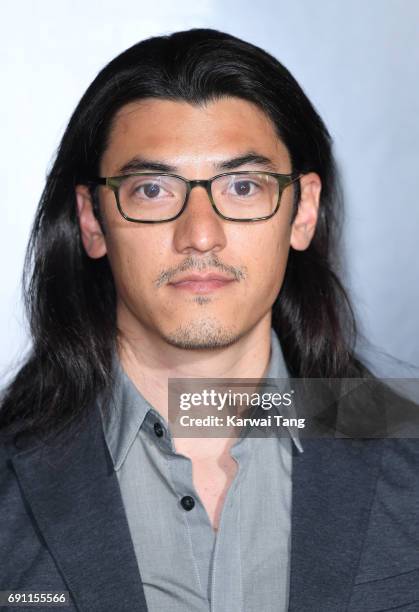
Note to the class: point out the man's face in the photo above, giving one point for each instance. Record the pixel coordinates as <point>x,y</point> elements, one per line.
<point>154,265</point>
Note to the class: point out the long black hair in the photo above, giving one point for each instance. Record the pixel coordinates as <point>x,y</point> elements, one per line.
<point>70,298</point>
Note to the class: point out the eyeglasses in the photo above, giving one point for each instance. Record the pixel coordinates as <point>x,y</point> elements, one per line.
<point>147,197</point>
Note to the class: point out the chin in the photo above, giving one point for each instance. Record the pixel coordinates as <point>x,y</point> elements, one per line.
<point>202,334</point>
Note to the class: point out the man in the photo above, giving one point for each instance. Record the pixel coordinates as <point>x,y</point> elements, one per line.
<point>187,230</point>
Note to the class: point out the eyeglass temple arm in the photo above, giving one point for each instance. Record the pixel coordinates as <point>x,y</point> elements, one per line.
<point>97,180</point>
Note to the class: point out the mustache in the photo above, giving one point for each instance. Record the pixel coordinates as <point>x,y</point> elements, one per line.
<point>199,264</point>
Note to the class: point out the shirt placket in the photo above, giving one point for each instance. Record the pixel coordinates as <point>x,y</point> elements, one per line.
<point>199,532</point>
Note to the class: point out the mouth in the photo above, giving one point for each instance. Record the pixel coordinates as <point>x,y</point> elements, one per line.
<point>201,283</point>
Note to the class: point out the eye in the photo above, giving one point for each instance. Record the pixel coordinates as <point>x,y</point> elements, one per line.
<point>147,189</point>
<point>150,190</point>
<point>244,187</point>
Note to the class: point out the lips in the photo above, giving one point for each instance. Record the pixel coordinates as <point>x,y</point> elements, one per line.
<point>202,283</point>
<point>213,276</point>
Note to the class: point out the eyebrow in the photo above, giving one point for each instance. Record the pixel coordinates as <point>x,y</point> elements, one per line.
<point>139,164</point>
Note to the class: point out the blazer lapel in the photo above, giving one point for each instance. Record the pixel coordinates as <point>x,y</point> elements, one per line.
<point>74,496</point>
<point>333,488</point>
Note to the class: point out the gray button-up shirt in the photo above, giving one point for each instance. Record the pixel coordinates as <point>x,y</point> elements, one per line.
<point>185,566</point>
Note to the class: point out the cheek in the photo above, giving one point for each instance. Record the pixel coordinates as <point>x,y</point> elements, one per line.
<point>268,263</point>
<point>133,258</point>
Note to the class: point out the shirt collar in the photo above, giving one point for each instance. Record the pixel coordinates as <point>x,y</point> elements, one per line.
<point>127,408</point>
<point>124,416</point>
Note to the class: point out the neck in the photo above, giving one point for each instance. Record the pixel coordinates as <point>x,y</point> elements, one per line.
<point>150,361</point>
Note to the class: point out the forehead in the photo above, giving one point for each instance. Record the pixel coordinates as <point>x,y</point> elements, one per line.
<point>184,133</point>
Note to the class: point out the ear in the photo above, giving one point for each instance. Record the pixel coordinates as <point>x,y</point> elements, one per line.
<point>304,224</point>
<point>91,232</point>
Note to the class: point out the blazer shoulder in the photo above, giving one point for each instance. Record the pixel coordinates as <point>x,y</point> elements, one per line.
<point>11,443</point>
<point>7,446</point>
<point>373,408</point>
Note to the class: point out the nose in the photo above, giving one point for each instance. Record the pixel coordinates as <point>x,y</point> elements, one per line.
<point>199,228</point>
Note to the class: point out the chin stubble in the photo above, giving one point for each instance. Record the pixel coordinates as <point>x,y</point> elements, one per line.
<point>206,334</point>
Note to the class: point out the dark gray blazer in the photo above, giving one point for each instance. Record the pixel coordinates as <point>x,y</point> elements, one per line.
<point>355,525</point>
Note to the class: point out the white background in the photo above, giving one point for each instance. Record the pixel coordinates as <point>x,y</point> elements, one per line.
<point>357,61</point>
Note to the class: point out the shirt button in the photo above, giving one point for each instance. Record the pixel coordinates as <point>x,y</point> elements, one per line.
<point>187,502</point>
<point>158,429</point>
